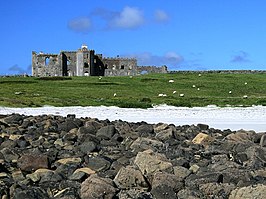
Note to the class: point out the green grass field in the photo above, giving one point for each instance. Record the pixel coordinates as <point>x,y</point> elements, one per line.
<point>138,91</point>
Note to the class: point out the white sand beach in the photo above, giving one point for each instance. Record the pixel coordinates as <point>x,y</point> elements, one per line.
<point>250,118</point>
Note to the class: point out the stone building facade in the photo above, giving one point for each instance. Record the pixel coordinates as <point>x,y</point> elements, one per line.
<point>84,62</point>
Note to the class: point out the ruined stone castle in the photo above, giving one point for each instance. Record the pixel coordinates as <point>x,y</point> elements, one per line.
<point>84,62</point>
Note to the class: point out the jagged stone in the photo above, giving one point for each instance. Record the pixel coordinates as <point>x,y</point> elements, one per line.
<point>202,139</point>
<point>31,162</point>
<point>181,172</point>
<point>97,187</point>
<point>143,143</point>
<point>149,162</point>
<point>254,192</point>
<point>241,136</point>
<point>170,180</point>
<point>165,134</point>
<point>128,178</point>
<point>106,132</point>
<point>51,156</point>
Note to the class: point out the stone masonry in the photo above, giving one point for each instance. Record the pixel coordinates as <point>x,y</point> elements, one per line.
<point>84,62</point>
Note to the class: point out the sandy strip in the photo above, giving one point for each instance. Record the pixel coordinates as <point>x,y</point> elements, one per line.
<point>251,118</point>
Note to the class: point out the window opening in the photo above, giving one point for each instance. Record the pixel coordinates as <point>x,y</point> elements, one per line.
<point>47,61</point>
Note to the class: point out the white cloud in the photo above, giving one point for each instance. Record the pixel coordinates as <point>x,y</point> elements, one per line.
<point>173,57</point>
<point>161,16</point>
<point>170,59</point>
<point>128,18</point>
<point>81,24</point>
<point>241,57</point>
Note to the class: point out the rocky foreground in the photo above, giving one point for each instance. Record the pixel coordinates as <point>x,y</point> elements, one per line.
<point>67,158</point>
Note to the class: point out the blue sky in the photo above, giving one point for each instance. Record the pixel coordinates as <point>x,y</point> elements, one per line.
<point>182,34</point>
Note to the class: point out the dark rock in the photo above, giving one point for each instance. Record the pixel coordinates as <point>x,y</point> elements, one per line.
<point>98,164</point>
<point>87,147</point>
<point>134,194</point>
<point>67,125</point>
<point>13,119</point>
<point>216,190</point>
<point>9,154</point>
<point>31,162</point>
<point>203,127</point>
<point>106,132</point>
<point>8,144</point>
<point>165,135</point>
<point>30,193</point>
<point>189,194</point>
<point>170,180</point>
<point>66,157</point>
<point>145,129</point>
<point>163,191</point>
<point>143,143</point>
<point>97,187</point>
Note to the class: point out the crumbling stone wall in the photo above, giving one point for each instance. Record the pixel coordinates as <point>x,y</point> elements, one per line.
<point>46,64</point>
<point>85,62</point>
<point>120,66</point>
<point>152,69</point>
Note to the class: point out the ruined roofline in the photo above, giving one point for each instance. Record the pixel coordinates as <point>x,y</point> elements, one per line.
<point>118,58</point>
<point>44,54</point>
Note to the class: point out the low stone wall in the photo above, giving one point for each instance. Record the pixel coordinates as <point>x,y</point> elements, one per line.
<point>70,158</point>
<point>220,71</point>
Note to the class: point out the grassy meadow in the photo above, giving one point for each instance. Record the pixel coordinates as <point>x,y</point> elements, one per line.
<point>139,91</point>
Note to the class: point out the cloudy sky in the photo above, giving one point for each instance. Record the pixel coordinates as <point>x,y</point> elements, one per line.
<point>182,34</point>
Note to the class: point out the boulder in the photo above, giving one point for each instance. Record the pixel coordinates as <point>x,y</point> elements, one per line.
<point>150,162</point>
<point>254,192</point>
<point>216,190</point>
<point>97,187</point>
<point>170,180</point>
<point>143,143</point>
<point>106,132</point>
<point>145,129</point>
<point>165,135</point>
<point>181,172</point>
<point>202,139</point>
<point>241,136</point>
<point>32,162</point>
<point>129,178</point>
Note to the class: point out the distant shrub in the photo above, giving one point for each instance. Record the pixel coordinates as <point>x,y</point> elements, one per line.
<point>145,99</point>
<point>261,102</point>
<point>148,79</point>
<point>127,104</point>
<point>181,104</point>
<point>58,78</point>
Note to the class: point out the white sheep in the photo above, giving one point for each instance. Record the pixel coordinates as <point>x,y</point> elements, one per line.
<point>230,92</point>
<point>194,86</point>
<point>198,89</point>
<point>171,81</point>
<point>174,92</point>
<point>115,94</point>
<point>246,83</point>
<point>182,95</point>
<point>199,75</point>
<point>245,96</point>
<point>162,95</point>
